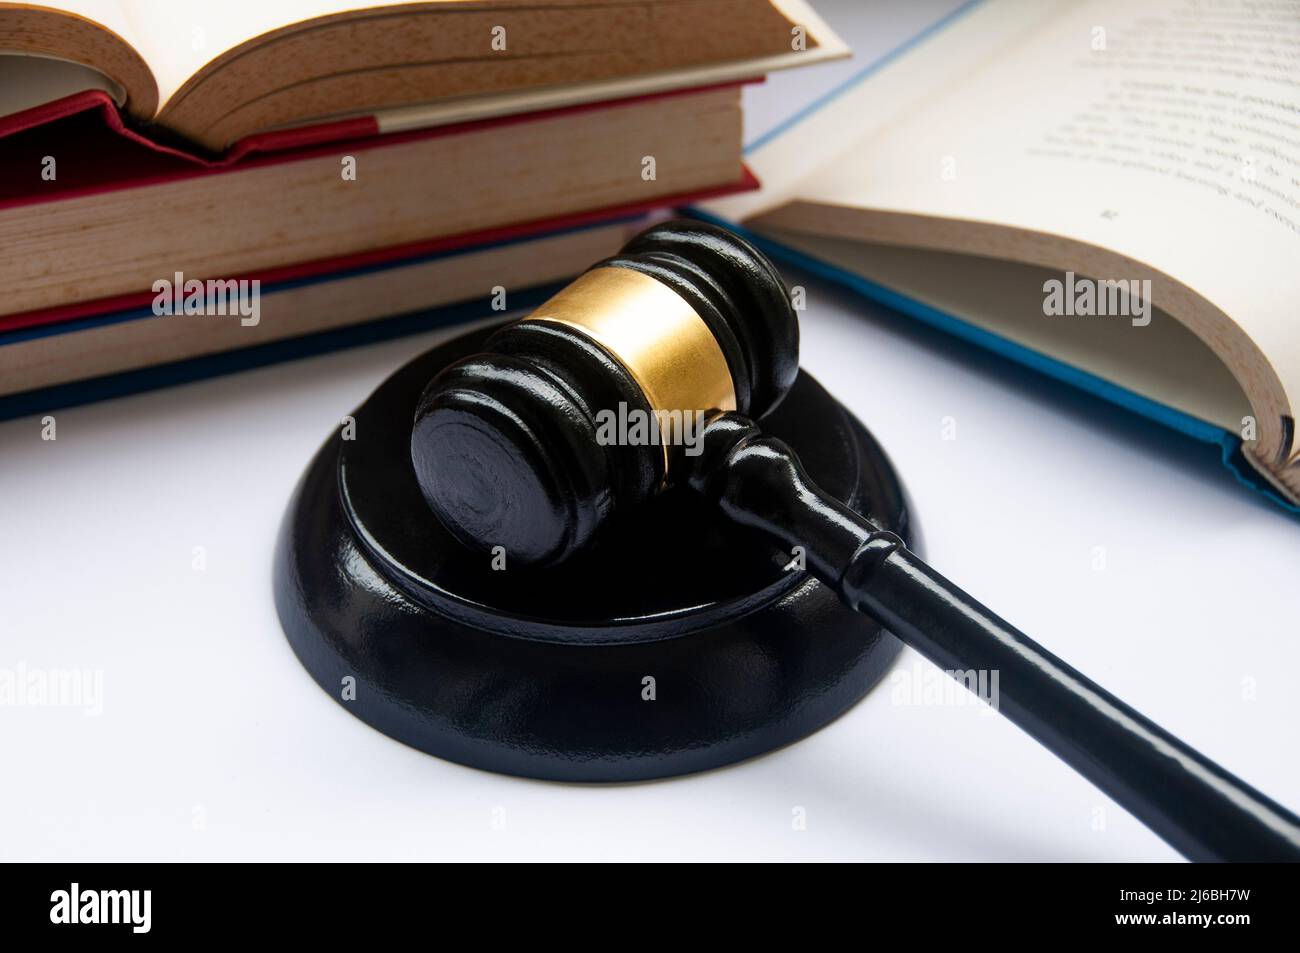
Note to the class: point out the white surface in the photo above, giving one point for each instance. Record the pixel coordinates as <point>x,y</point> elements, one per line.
<point>214,744</point>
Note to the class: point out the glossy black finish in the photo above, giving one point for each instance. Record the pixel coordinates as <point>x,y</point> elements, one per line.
<point>504,443</point>
<point>738,293</point>
<point>539,672</point>
<point>1200,809</point>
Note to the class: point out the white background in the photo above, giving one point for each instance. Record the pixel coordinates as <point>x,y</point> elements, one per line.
<point>215,744</point>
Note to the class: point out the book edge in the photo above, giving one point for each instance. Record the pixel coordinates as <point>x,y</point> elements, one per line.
<point>289,145</point>
<point>1232,451</point>
<point>192,370</point>
<point>320,268</point>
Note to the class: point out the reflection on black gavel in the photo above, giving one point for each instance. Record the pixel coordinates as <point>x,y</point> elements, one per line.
<point>690,319</point>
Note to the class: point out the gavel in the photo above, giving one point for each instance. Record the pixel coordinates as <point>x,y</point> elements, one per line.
<point>690,323</point>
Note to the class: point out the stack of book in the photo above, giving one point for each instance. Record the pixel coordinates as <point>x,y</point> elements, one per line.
<point>189,188</point>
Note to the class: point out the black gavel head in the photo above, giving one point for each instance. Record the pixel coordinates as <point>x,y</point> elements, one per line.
<point>585,407</point>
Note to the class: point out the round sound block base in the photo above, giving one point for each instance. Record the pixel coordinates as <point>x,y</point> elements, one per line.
<point>676,645</point>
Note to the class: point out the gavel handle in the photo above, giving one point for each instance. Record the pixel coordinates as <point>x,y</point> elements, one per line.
<point>1200,809</point>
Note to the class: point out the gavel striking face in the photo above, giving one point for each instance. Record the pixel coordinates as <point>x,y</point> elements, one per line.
<point>687,320</point>
<point>691,320</point>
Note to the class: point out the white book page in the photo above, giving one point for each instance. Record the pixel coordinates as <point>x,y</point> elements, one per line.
<point>882,94</point>
<point>1167,131</point>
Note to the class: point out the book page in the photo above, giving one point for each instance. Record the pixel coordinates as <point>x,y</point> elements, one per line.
<point>1166,131</point>
<point>96,35</point>
<point>107,13</point>
<point>1166,363</point>
<point>881,93</point>
<point>177,37</point>
<point>823,45</point>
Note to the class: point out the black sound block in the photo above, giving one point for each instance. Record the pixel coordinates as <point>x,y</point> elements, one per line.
<point>674,645</point>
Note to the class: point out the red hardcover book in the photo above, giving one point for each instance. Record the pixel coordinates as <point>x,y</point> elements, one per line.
<point>122,211</point>
<point>137,211</point>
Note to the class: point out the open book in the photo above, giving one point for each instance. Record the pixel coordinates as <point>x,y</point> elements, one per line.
<point>215,73</point>
<point>1106,190</point>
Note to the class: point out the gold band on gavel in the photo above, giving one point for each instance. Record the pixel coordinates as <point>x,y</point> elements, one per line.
<point>654,333</point>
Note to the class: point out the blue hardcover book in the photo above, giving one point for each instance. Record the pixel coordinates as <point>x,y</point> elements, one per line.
<point>1070,185</point>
